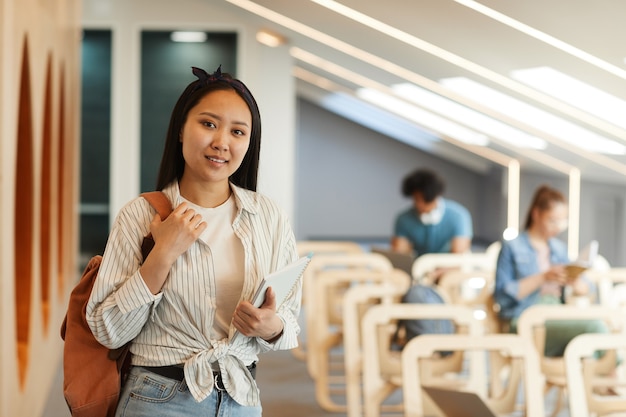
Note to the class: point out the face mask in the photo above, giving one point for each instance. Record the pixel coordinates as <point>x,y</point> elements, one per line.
<point>435,215</point>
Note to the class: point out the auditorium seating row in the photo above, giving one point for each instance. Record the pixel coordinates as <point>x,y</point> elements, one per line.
<point>351,308</point>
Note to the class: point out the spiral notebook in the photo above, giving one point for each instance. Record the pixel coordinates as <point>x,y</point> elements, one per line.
<point>281,281</point>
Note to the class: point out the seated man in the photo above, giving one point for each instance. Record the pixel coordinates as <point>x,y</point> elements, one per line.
<point>433,224</point>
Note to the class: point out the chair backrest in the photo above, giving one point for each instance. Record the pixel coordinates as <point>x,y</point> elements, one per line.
<point>364,261</point>
<point>328,247</point>
<point>578,360</point>
<point>320,248</point>
<point>531,326</point>
<point>325,282</point>
<point>464,261</point>
<point>325,333</point>
<point>600,263</point>
<point>330,286</point>
<point>508,344</point>
<point>606,280</point>
<point>492,251</point>
<point>330,257</point>
<point>377,376</point>
<point>470,288</point>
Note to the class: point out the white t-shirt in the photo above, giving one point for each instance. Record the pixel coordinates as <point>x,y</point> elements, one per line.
<point>228,260</point>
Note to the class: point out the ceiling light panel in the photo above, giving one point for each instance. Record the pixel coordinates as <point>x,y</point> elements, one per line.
<point>516,109</point>
<point>422,117</point>
<point>575,92</point>
<point>187,36</point>
<point>467,116</point>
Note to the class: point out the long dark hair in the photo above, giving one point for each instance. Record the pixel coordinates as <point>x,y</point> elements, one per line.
<point>172,162</point>
<point>544,198</point>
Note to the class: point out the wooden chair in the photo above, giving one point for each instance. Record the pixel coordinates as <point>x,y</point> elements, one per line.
<point>607,281</point>
<point>468,288</point>
<point>492,252</point>
<point>418,350</point>
<point>427,263</point>
<point>582,377</point>
<point>327,247</point>
<point>319,248</point>
<point>356,301</point>
<point>474,289</point>
<point>317,312</point>
<point>382,370</point>
<point>531,326</point>
<point>327,334</point>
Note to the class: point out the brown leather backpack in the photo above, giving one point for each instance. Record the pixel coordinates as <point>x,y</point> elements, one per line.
<point>92,373</point>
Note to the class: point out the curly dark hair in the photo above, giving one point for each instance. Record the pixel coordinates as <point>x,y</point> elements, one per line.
<point>427,182</point>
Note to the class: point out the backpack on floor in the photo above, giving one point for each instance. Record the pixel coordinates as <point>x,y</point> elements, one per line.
<point>92,373</point>
<point>421,294</point>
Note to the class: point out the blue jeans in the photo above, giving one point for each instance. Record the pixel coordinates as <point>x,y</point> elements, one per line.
<point>146,394</point>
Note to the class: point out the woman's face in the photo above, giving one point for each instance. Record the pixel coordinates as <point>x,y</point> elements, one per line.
<point>216,137</point>
<point>552,221</point>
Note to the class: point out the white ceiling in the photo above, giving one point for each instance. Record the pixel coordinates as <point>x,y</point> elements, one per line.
<point>435,39</point>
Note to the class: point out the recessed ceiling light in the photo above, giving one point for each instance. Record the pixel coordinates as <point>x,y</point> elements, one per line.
<point>187,36</point>
<point>269,38</point>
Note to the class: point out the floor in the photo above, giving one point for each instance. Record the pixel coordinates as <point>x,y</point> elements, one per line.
<point>286,390</point>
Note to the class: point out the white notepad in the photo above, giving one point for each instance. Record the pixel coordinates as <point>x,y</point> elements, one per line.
<point>281,281</point>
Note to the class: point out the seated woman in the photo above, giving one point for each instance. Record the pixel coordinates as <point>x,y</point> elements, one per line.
<point>530,270</point>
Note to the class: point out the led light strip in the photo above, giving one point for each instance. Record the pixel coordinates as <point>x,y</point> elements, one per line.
<point>544,37</point>
<point>469,66</point>
<point>573,231</point>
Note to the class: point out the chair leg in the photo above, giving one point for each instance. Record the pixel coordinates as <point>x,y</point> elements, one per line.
<point>558,405</point>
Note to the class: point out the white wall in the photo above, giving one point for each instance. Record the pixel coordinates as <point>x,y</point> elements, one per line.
<point>349,179</point>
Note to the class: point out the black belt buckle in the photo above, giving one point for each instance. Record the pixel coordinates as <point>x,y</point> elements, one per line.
<point>217,381</point>
<point>217,377</point>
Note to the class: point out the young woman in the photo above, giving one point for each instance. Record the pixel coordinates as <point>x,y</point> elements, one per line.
<point>181,306</point>
<point>531,270</point>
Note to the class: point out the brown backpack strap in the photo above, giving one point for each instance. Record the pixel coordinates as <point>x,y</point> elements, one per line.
<point>162,205</point>
<point>160,202</point>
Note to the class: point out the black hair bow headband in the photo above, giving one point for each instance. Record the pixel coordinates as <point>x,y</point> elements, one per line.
<point>204,77</point>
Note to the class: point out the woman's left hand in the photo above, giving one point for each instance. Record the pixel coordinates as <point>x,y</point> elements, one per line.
<point>260,322</point>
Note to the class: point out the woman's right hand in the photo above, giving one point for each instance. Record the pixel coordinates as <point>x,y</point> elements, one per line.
<point>556,273</point>
<point>176,234</point>
<point>172,237</point>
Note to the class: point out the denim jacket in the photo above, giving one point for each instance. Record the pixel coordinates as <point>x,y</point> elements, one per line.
<point>517,260</point>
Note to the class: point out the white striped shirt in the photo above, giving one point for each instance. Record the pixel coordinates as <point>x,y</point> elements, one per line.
<point>174,326</point>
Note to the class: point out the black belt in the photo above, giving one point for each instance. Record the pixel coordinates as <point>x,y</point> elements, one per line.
<point>177,372</point>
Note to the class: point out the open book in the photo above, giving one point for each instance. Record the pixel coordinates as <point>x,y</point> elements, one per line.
<point>282,282</point>
<point>586,258</point>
